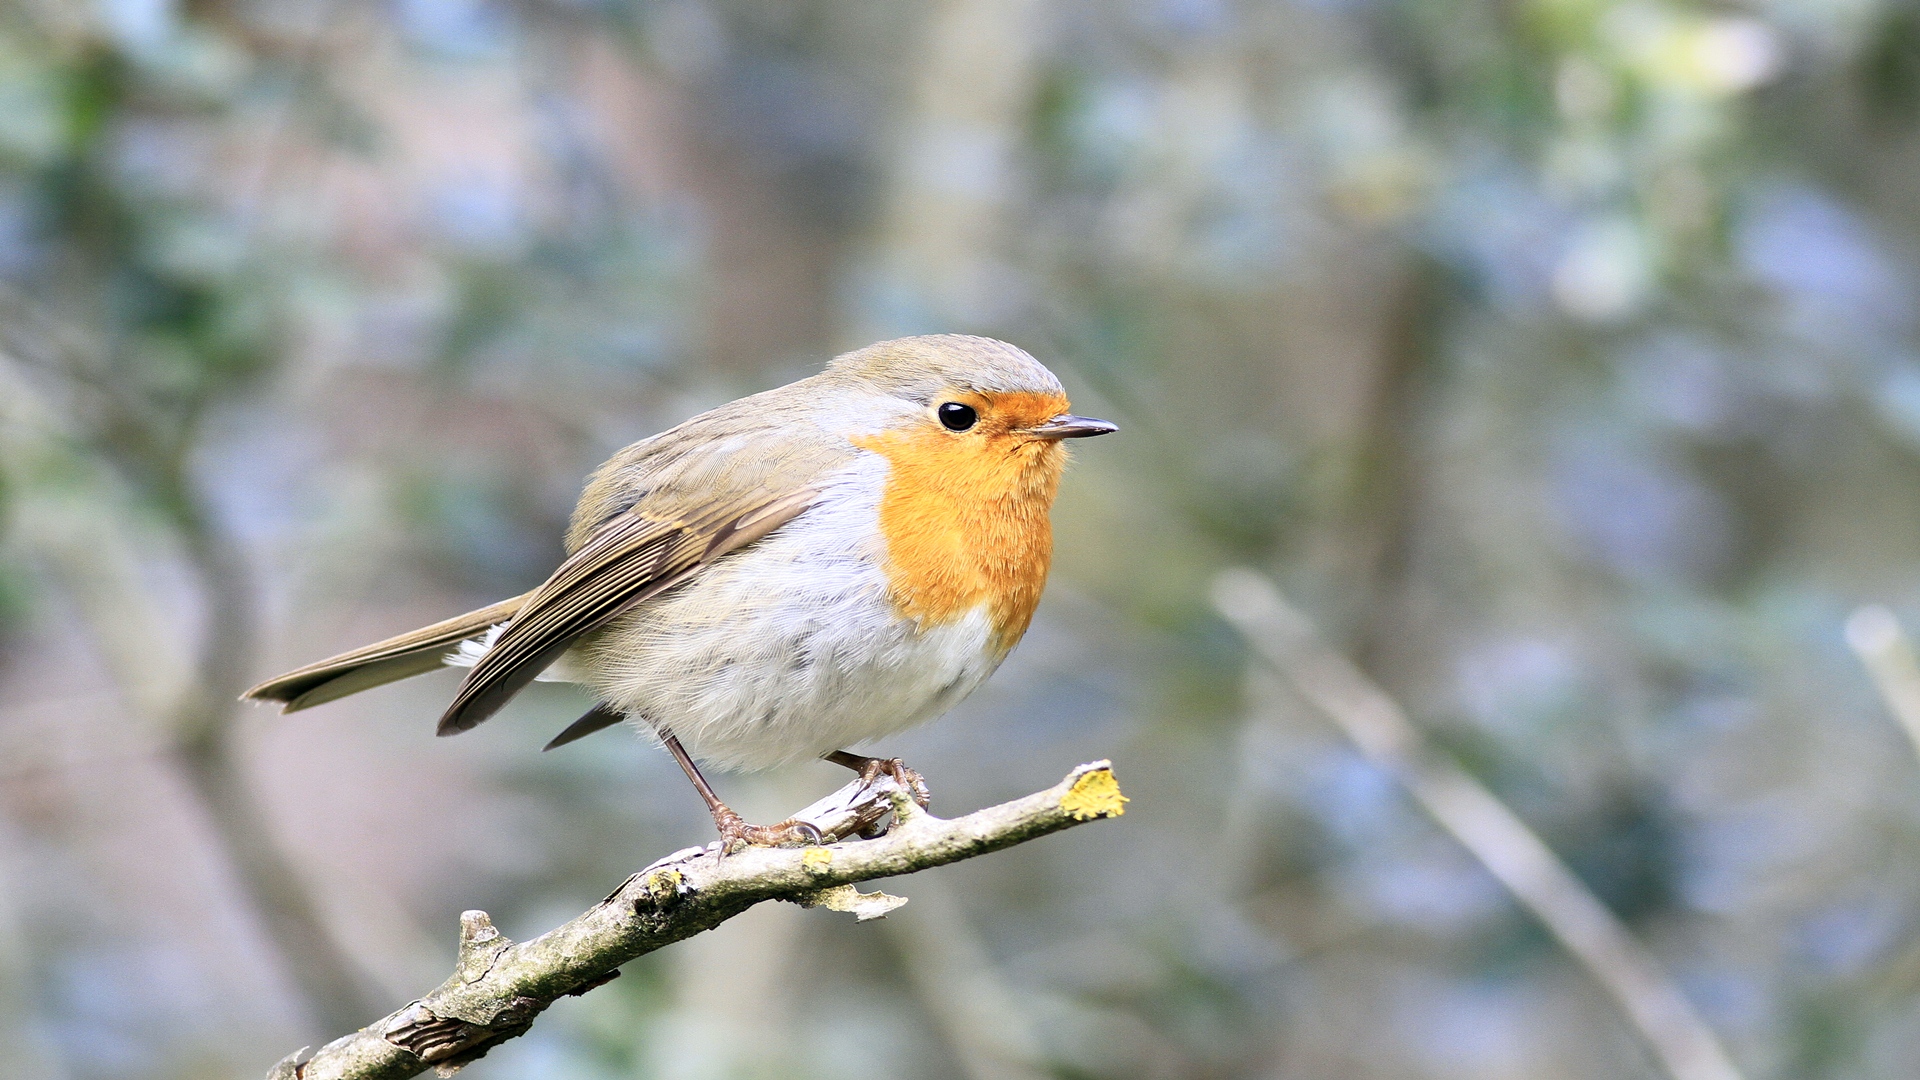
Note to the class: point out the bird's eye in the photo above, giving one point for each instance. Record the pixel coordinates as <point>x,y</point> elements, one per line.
<point>957,417</point>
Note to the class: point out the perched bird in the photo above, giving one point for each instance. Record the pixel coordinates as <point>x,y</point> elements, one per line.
<point>795,572</point>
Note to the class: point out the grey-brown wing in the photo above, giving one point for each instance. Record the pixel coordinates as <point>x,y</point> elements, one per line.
<point>627,560</point>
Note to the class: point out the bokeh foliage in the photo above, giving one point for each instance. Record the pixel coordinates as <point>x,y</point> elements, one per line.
<point>1557,355</point>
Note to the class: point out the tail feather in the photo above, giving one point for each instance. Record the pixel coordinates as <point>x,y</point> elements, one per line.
<point>396,658</point>
<point>600,716</point>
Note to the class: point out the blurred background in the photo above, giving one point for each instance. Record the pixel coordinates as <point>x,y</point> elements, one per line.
<point>1558,359</point>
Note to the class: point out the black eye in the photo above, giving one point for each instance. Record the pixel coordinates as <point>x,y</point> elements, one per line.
<point>957,417</point>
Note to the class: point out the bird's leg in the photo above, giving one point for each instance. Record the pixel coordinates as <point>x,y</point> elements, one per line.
<point>734,830</point>
<point>870,769</point>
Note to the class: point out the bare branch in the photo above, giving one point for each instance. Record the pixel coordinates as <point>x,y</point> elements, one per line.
<point>1686,1048</point>
<point>499,987</point>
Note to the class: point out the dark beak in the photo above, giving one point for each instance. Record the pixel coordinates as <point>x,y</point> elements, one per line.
<point>1069,426</point>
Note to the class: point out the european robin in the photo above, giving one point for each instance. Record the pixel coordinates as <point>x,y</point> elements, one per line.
<point>792,573</point>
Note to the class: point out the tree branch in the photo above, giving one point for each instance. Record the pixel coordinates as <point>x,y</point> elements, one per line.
<point>499,987</point>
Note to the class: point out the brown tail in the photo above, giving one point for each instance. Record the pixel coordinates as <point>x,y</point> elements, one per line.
<point>383,662</point>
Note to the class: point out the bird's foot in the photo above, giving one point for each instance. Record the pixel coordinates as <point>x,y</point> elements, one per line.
<point>873,768</point>
<point>736,834</point>
<point>915,784</point>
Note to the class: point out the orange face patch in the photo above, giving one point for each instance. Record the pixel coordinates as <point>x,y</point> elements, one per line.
<point>965,513</point>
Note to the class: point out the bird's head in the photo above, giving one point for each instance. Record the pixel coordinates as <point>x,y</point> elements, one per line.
<point>957,394</point>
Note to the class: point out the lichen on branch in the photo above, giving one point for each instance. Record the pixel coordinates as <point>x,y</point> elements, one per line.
<point>500,987</point>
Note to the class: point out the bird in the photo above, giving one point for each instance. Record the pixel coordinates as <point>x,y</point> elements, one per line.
<point>806,569</point>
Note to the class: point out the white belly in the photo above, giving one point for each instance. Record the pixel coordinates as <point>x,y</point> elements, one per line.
<point>788,649</point>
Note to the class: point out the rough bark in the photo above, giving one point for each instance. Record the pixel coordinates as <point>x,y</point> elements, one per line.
<point>499,987</point>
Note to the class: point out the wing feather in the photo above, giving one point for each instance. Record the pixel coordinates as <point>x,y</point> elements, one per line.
<point>628,559</point>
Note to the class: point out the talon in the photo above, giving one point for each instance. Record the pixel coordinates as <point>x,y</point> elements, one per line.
<point>733,830</point>
<point>736,833</point>
<point>913,782</point>
<point>871,769</point>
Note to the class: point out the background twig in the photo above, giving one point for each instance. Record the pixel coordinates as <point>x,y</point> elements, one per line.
<point>154,458</point>
<point>1876,638</point>
<point>1686,1048</point>
<point>991,1034</point>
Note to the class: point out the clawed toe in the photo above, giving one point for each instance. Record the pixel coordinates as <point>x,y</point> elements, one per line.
<point>736,833</point>
<point>907,778</point>
<point>809,833</point>
<point>872,769</point>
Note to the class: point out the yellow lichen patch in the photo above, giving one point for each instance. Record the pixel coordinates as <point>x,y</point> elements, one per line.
<point>1097,794</point>
<point>664,883</point>
<point>817,859</point>
<point>862,905</point>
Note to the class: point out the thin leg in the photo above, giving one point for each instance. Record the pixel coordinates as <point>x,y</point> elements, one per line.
<point>870,769</point>
<point>734,830</point>
<point>693,771</point>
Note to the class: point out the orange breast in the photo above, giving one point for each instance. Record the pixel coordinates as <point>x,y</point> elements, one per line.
<point>965,515</point>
